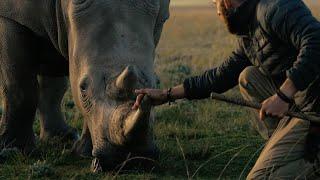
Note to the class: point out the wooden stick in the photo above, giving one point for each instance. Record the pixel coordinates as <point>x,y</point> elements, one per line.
<point>312,117</point>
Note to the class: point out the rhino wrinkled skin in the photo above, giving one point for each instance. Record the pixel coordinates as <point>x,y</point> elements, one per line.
<point>105,47</point>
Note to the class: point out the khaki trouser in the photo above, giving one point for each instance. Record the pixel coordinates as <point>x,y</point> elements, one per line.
<point>282,157</point>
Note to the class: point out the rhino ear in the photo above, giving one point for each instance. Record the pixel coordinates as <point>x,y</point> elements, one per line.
<point>164,14</point>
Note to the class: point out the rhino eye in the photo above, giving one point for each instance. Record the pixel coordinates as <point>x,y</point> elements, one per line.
<point>84,85</point>
<point>78,1</point>
<point>85,95</point>
<point>81,5</point>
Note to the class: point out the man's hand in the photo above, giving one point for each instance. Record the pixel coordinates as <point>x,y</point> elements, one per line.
<point>274,106</point>
<point>157,96</point>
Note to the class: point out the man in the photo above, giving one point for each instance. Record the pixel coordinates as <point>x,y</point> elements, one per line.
<point>276,63</point>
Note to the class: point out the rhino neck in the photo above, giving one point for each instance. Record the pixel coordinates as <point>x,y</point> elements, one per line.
<point>27,13</point>
<point>54,23</point>
<point>44,18</point>
<point>61,28</point>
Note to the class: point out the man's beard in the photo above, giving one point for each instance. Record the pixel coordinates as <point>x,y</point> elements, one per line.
<point>229,18</point>
<point>235,21</point>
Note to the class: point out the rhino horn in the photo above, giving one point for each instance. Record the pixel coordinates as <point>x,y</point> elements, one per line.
<point>139,120</point>
<point>128,78</point>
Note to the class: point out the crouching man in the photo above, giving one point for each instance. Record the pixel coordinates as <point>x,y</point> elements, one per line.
<point>277,63</point>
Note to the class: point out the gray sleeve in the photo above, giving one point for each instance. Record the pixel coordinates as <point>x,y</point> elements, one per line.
<point>293,23</point>
<point>219,79</point>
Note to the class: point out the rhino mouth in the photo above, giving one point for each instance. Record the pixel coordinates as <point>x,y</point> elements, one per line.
<point>127,126</point>
<point>130,140</point>
<point>124,160</point>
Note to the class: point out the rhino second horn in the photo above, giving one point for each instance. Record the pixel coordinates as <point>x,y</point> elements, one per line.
<point>127,79</point>
<point>138,119</point>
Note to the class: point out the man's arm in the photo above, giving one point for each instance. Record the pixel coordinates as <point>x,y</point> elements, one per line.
<point>293,23</point>
<point>219,79</point>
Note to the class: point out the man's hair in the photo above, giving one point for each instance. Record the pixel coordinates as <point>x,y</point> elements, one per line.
<point>240,1</point>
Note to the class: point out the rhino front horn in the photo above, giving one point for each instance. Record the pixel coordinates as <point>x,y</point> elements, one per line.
<point>138,120</point>
<point>128,78</point>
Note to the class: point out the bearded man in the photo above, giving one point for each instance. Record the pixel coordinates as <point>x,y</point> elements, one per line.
<point>277,63</point>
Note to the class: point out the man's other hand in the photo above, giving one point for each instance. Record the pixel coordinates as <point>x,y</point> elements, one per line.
<point>275,107</point>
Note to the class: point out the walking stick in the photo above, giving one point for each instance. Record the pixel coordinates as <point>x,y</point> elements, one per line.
<point>312,117</point>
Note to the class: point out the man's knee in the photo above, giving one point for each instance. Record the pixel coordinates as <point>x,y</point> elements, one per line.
<point>251,176</point>
<point>283,173</point>
<point>256,175</point>
<point>268,173</point>
<point>248,75</point>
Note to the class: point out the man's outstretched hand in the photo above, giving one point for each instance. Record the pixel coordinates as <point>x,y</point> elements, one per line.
<point>157,96</point>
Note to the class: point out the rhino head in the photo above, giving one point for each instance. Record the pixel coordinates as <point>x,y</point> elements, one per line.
<point>111,49</point>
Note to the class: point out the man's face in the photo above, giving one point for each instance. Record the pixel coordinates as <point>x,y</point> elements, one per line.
<point>221,9</point>
<point>224,9</point>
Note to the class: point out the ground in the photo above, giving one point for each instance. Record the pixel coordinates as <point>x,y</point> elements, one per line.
<point>200,139</point>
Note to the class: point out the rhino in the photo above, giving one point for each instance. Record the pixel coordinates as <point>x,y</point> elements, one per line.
<point>105,49</point>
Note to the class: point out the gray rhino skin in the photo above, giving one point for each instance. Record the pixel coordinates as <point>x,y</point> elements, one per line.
<point>107,49</point>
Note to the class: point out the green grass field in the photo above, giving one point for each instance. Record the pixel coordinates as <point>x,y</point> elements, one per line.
<point>199,139</point>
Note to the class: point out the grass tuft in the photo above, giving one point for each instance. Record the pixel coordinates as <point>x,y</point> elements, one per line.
<point>41,169</point>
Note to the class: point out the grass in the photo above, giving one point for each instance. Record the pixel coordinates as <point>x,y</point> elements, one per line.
<point>199,139</point>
